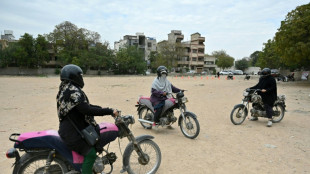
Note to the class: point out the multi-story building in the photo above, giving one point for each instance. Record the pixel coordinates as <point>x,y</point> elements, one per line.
<point>146,44</point>
<point>209,64</point>
<point>8,35</point>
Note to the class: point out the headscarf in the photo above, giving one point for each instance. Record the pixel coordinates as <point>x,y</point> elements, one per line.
<point>162,84</point>
<point>68,97</point>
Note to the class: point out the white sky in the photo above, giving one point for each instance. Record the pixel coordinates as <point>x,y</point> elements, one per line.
<point>239,27</point>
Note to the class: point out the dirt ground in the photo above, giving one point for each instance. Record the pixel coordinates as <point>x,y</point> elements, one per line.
<point>29,104</point>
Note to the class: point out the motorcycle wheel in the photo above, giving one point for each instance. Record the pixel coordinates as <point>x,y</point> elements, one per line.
<point>190,128</point>
<point>237,115</point>
<point>278,108</point>
<point>146,114</point>
<point>35,163</point>
<point>133,163</point>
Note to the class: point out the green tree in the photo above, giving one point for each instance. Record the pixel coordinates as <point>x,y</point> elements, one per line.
<point>269,57</point>
<point>25,54</point>
<point>156,60</point>
<point>254,58</point>
<point>223,59</point>
<point>293,38</point>
<point>242,64</point>
<point>129,60</point>
<point>170,53</point>
<point>7,57</point>
<point>41,50</point>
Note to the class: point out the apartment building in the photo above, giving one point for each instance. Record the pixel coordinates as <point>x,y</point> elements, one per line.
<point>145,44</point>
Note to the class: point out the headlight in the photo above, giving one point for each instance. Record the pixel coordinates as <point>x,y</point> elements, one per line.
<point>184,100</point>
<point>245,93</point>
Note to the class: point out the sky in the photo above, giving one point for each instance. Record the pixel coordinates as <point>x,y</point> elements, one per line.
<point>239,27</point>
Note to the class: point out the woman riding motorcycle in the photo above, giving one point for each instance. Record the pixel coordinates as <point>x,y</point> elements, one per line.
<point>160,91</point>
<point>73,107</point>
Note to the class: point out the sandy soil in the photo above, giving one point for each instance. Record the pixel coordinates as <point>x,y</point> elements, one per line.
<point>28,104</point>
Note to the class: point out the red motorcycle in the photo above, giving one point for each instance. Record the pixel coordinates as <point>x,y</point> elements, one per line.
<point>188,122</point>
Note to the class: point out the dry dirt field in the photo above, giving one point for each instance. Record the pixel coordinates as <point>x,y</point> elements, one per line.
<point>29,104</point>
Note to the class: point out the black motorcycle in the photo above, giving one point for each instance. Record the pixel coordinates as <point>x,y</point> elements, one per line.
<point>240,111</point>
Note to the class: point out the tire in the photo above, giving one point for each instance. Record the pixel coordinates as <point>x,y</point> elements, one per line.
<point>35,162</point>
<point>191,127</point>
<point>146,114</point>
<point>237,116</point>
<point>131,158</point>
<point>276,108</point>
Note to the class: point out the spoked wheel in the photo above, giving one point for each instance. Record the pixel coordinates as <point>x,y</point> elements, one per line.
<point>146,114</point>
<point>190,126</point>
<point>34,163</point>
<point>136,165</point>
<point>278,113</point>
<point>238,114</point>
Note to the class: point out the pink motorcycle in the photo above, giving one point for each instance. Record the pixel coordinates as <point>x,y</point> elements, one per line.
<point>45,152</point>
<point>188,122</point>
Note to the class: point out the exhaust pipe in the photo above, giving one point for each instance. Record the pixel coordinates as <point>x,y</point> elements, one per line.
<point>145,121</point>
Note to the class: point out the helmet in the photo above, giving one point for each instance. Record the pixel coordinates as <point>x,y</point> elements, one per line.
<point>162,70</point>
<point>72,73</point>
<point>265,72</point>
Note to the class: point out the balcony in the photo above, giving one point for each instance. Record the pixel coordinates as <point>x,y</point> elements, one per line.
<point>197,63</point>
<point>183,62</point>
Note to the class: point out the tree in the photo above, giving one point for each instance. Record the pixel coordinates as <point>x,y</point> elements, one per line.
<point>254,58</point>
<point>269,57</point>
<point>129,60</point>
<point>41,50</point>
<point>170,53</point>
<point>242,64</point>
<point>293,38</point>
<point>223,59</point>
<point>156,60</point>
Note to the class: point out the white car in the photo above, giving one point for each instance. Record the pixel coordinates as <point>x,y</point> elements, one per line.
<point>226,73</point>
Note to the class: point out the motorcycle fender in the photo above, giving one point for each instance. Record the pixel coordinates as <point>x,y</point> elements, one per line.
<point>187,113</point>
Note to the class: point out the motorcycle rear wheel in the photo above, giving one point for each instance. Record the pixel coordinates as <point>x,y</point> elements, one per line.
<point>190,128</point>
<point>238,115</point>
<point>146,114</point>
<point>135,166</point>
<point>35,163</point>
<point>277,119</point>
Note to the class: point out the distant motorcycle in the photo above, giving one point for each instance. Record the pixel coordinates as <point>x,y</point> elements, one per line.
<point>45,152</point>
<point>230,77</point>
<point>287,78</point>
<point>240,111</point>
<point>188,122</point>
<point>247,77</point>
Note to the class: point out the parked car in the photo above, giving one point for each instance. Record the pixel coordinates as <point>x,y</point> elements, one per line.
<point>238,72</point>
<point>191,72</point>
<point>203,73</point>
<point>226,72</point>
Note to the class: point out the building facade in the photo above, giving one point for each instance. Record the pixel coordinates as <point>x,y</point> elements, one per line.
<point>145,44</point>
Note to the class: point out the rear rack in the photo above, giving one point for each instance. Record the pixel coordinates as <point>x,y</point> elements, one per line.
<point>14,137</point>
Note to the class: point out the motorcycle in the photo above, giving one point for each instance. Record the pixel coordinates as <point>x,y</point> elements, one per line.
<point>240,111</point>
<point>247,77</point>
<point>287,78</point>
<point>230,77</point>
<point>188,122</point>
<point>45,152</point>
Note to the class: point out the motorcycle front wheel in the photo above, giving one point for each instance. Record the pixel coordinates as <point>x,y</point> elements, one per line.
<point>35,163</point>
<point>190,127</point>
<point>133,163</point>
<point>238,115</point>
<point>280,113</point>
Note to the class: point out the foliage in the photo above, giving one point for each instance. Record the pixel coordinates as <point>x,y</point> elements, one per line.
<point>293,38</point>
<point>254,58</point>
<point>223,59</point>
<point>242,64</point>
<point>129,60</point>
<point>169,54</point>
<point>269,57</point>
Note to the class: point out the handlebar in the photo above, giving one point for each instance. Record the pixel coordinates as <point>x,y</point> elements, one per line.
<point>252,90</point>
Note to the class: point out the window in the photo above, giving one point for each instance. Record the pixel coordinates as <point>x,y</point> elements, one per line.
<point>194,59</point>
<point>149,44</point>
<point>194,50</point>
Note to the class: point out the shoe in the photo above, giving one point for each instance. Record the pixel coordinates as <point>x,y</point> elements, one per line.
<point>253,119</point>
<point>155,124</point>
<point>269,124</point>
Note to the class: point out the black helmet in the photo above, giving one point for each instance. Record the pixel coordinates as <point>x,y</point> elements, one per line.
<point>72,73</point>
<point>162,70</point>
<point>266,72</point>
